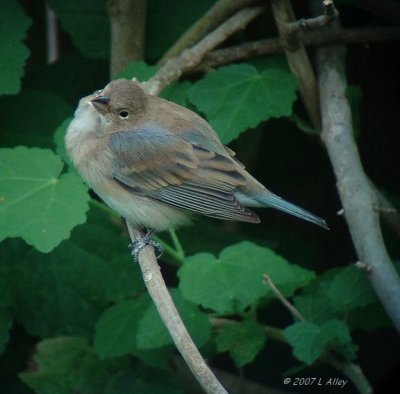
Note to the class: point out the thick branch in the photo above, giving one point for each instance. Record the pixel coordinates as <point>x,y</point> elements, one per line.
<point>190,58</point>
<point>128,22</point>
<point>221,10</point>
<point>358,199</point>
<point>159,294</point>
<point>298,60</point>
<point>313,38</point>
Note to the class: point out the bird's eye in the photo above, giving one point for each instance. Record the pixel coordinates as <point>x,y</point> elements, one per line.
<point>123,114</point>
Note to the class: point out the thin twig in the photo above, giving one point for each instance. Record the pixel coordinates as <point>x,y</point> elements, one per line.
<point>351,370</point>
<point>52,36</point>
<point>221,10</point>
<point>358,198</point>
<point>190,58</point>
<point>387,211</point>
<point>165,306</point>
<point>302,25</point>
<point>177,244</point>
<point>296,314</point>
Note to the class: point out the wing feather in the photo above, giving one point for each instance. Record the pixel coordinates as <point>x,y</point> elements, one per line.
<point>157,163</point>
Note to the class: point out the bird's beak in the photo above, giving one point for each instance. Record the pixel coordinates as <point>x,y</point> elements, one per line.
<point>101,103</point>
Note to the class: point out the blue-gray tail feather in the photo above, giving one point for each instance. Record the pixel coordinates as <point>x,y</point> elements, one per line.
<point>274,201</point>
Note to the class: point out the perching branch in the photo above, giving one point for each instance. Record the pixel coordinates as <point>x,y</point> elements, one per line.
<point>221,10</point>
<point>165,306</point>
<point>191,57</point>
<point>357,196</point>
<point>128,23</point>
<point>147,261</point>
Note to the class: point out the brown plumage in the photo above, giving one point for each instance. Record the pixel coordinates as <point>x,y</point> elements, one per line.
<point>156,162</point>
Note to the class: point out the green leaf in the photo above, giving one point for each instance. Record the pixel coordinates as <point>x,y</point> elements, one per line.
<point>134,326</point>
<point>137,69</point>
<point>87,23</point>
<point>168,20</point>
<point>36,202</point>
<point>31,118</point>
<point>177,92</point>
<point>310,341</point>
<point>116,329</point>
<point>233,281</point>
<point>243,341</point>
<point>65,291</point>
<point>315,305</point>
<point>237,97</point>
<point>13,27</point>
<point>350,289</point>
<point>152,333</point>
<point>159,358</point>
<point>67,365</point>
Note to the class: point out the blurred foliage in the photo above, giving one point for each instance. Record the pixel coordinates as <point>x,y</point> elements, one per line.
<point>74,313</point>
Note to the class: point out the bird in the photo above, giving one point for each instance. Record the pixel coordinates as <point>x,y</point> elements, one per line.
<point>157,163</point>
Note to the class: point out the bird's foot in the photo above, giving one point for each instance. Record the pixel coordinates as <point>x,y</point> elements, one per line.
<point>141,243</point>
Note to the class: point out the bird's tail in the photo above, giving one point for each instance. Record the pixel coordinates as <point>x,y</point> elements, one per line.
<point>274,201</point>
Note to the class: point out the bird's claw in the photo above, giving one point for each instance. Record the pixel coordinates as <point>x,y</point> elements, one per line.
<point>141,243</point>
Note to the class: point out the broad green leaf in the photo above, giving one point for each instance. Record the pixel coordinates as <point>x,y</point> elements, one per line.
<point>133,326</point>
<point>177,92</point>
<point>233,281</point>
<point>13,27</point>
<point>310,341</point>
<point>315,305</point>
<point>139,70</point>
<point>350,289</point>
<point>152,334</point>
<point>31,117</point>
<point>159,358</point>
<point>243,341</point>
<point>121,277</point>
<point>238,97</point>
<point>65,365</point>
<point>65,291</point>
<point>116,329</point>
<point>5,326</point>
<point>37,203</point>
<point>168,20</point>
<point>87,23</point>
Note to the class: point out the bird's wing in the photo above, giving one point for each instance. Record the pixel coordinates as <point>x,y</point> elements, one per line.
<point>157,163</point>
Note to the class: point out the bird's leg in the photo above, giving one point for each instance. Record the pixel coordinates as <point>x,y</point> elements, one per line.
<point>141,243</point>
